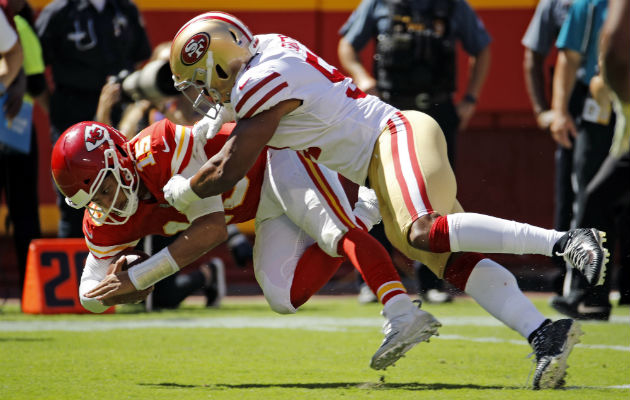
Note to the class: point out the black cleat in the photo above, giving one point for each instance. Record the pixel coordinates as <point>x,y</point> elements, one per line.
<point>575,306</point>
<point>552,344</point>
<point>583,249</point>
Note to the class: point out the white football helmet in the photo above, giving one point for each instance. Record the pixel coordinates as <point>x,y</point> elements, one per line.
<point>206,55</point>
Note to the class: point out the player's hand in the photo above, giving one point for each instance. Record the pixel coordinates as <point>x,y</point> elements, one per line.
<point>563,129</point>
<point>205,129</point>
<point>178,193</point>
<point>544,119</point>
<point>465,111</point>
<point>114,286</point>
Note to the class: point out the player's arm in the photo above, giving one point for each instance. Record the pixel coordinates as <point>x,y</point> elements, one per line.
<point>563,126</point>
<point>479,65</point>
<point>533,70</point>
<point>205,233</point>
<point>238,155</point>
<point>350,60</point>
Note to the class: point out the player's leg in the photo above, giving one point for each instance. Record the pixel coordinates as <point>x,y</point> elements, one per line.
<point>491,285</point>
<point>316,202</point>
<point>289,265</point>
<point>425,188</point>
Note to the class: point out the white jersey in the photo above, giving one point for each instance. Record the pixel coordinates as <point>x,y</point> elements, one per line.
<point>336,125</point>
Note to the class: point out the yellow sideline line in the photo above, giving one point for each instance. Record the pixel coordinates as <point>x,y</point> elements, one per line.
<point>289,5</point>
<point>49,218</point>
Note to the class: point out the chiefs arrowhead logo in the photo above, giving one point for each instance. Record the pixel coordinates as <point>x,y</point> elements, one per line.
<point>95,135</point>
<point>195,48</point>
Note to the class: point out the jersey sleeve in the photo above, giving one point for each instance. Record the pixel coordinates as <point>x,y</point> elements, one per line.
<point>261,88</point>
<point>574,29</point>
<point>160,151</point>
<point>103,241</point>
<point>360,27</point>
<point>540,33</point>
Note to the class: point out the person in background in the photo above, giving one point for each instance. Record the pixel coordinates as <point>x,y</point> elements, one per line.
<point>607,198</point>
<point>84,42</point>
<point>538,41</point>
<point>19,167</point>
<point>589,134</point>
<point>415,69</point>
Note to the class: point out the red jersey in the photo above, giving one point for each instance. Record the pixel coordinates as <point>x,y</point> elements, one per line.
<point>159,152</point>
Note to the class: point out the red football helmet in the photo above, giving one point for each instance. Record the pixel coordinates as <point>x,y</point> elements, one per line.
<point>81,159</point>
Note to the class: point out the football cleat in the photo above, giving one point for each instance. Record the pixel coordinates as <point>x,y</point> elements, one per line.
<point>402,333</point>
<point>552,344</point>
<point>366,295</point>
<point>583,249</point>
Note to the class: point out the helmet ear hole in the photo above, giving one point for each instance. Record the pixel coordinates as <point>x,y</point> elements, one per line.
<point>221,73</point>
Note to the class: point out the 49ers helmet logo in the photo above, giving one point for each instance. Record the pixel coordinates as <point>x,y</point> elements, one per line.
<point>195,48</point>
<point>95,135</point>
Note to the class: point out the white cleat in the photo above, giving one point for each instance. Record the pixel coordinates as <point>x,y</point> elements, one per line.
<point>402,333</point>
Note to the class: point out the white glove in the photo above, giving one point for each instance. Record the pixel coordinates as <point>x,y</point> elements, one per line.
<point>366,208</point>
<point>207,128</point>
<point>178,193</point>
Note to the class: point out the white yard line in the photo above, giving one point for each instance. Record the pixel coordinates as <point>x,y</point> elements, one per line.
<point>279,322</point>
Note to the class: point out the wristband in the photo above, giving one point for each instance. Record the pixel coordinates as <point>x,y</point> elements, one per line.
<point>469,98</point>
<point>152,270</point>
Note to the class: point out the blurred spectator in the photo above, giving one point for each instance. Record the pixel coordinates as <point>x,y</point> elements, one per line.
<point>415,68</point>
<point>85,41</point>
<point>607,200</point>
<point>538,40</point>
<point>18,164</point>
<point>590,133</point>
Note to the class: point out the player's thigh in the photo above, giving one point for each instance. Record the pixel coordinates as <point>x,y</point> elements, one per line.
<point>312,197</point>
<point>278,247</point>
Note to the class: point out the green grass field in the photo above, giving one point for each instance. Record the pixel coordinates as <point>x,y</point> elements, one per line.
<point>245,351</point>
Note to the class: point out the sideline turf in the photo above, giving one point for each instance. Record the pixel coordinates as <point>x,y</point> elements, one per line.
<point>473,359</point>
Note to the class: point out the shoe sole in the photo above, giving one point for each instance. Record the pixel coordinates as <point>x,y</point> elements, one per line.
<point>601,241</point>
<point>556,370</point>
<point>427,326</point>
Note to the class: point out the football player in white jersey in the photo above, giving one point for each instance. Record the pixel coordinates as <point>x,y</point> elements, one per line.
<point>285,96</point>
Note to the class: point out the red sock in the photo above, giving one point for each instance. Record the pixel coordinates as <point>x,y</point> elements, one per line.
<point>313,270</point>
<point>439,240</point>
<point>458,271</point>
<point>370,258</point>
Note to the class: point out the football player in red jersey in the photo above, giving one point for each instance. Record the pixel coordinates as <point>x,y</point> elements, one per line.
<point>302,212</point>
<point>284,95</point>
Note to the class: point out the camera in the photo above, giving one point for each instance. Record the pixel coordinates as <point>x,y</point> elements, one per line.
<point>152,82</point>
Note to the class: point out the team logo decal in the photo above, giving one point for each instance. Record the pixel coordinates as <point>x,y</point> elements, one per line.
<point>195,48</point>
<point>95,135</point>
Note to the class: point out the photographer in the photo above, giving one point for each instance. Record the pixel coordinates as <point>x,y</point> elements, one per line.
<point>84,42</point>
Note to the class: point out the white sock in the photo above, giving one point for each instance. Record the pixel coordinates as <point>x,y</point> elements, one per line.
<point>496,290</point>
<point>399,304</point>
<point>485,234</point>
